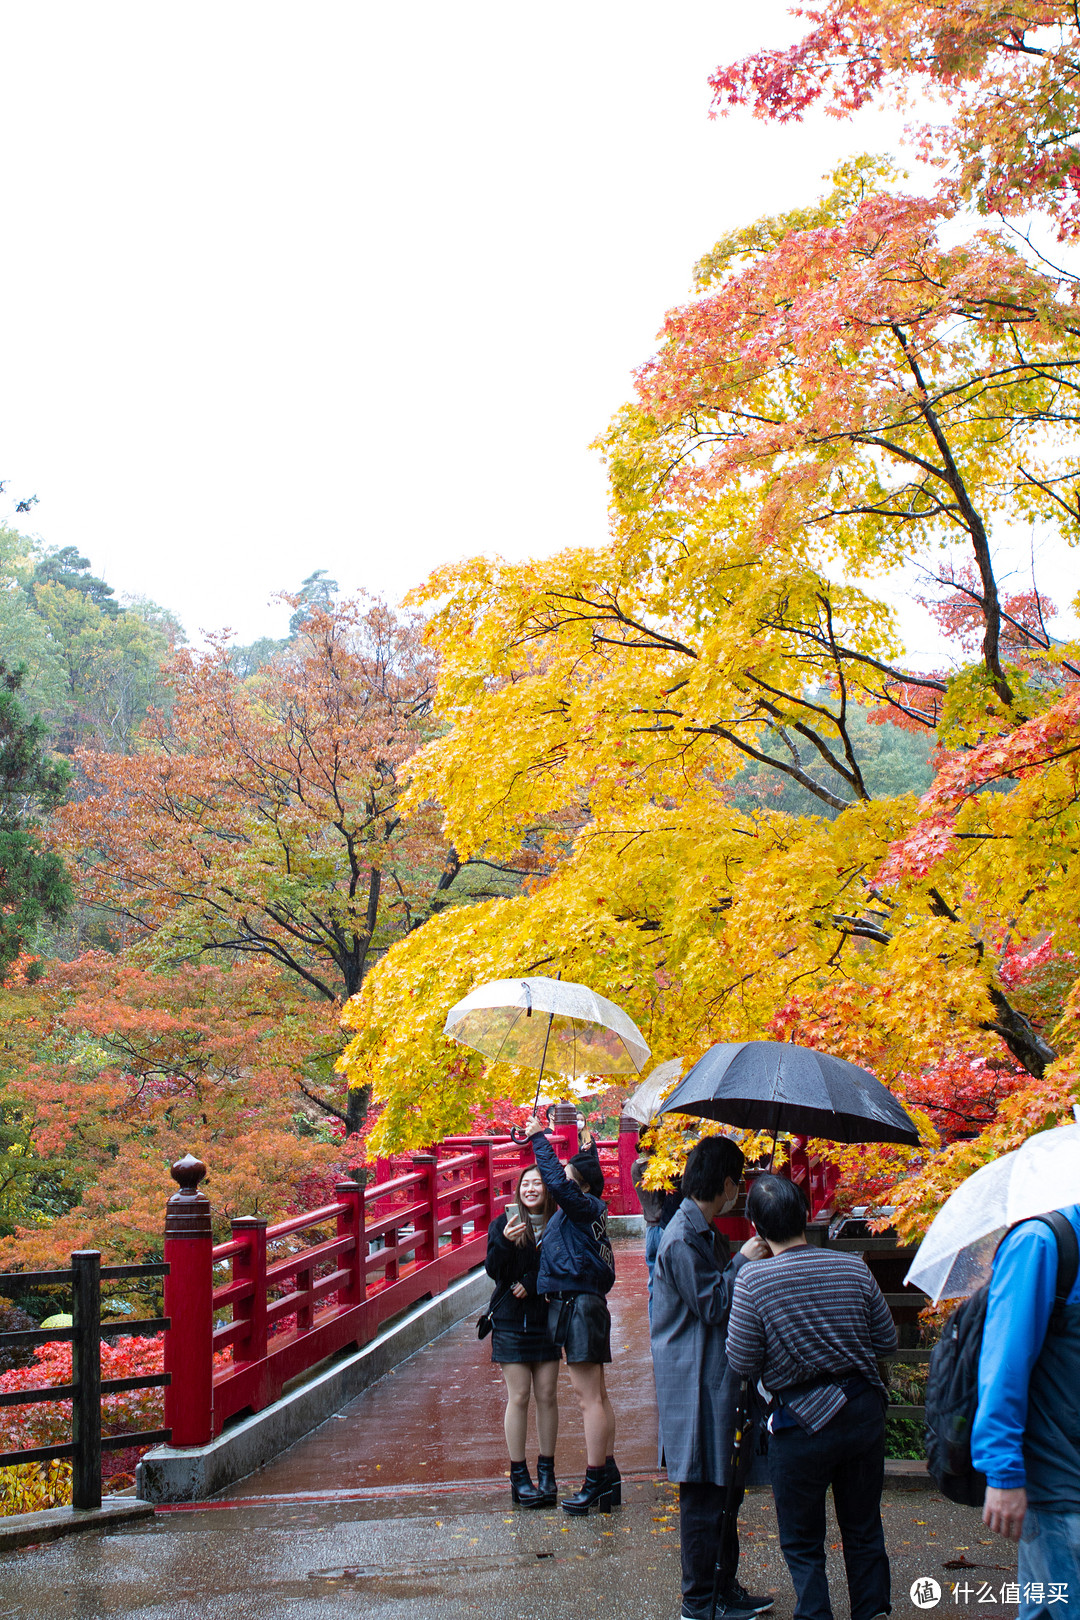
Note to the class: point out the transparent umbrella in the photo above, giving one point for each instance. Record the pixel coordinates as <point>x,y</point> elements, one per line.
<point>548,1024</point>
<point>958,1251</point>
<point>644,1104</point>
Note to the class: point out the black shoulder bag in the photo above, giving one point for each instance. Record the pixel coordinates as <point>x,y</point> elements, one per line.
<point>485,1323</point>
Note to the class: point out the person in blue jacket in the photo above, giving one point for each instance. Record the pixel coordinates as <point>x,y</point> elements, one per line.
<point>577,1269</point>
<point>1026,1436</point>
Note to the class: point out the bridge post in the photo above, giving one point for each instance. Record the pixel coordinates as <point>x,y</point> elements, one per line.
<point>563,1117</point>
<point>427,1164</point>
<point>626,1199</point>
<point>189,1304</point>
<point>350,1223</point>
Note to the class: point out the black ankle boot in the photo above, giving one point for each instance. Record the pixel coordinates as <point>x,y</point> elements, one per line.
<point>523,1493</point>
<point>595,1492</point>
<point>614,1479</point>
<point>545,1481</point>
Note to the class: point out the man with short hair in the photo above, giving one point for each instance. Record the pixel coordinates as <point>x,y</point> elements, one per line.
<point>692,1286</point>
<point>1026,1435</point>
<point>810,1324</point>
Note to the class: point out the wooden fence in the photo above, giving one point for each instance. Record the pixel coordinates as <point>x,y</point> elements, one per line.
<point>84,1279</point>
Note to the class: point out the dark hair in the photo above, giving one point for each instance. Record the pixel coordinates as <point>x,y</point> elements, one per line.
<point>586,1165</point>
<point>778,1208</point>
<point>710,1164</point>
<point>547,1209</point>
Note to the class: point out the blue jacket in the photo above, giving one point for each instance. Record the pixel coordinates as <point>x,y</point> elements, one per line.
<point>1027,1424</point>
<point>575,1255</point>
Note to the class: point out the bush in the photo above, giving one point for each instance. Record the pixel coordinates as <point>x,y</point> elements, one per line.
<point>48,1423</point>
<point>32,1487</point>
<point>905,1437</point>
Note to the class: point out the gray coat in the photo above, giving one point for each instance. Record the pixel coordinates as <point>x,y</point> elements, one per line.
<point>695,1394</point>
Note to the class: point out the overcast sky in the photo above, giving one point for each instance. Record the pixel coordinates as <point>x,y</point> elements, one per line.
<point>353,286</point>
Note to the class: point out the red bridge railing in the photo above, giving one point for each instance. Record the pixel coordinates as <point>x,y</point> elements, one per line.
<point>274,1301</point>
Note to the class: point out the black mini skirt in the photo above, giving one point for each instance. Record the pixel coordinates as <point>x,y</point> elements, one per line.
<point>520,1333</point>
<point>580,1324</point>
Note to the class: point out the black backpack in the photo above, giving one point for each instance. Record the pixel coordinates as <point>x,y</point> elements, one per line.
<point>952,1389</point>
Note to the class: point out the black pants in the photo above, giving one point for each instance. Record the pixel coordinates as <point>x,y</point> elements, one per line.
<point>848,1454</point>
<point>701,1507</point>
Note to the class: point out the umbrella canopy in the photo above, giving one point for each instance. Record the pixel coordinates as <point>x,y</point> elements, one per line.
<point>957,1253</point>
<point>644,1104</point>
<point>775,1086</point>
<point>518,1020</point>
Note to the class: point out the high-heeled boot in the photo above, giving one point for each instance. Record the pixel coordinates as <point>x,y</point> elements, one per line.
<point>545,1481</point>
<point>614,1479</point>
<point>523,1493</point>
<point>595,1492</point>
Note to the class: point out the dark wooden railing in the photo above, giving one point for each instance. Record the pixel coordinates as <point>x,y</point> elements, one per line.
<point>85,1334</point>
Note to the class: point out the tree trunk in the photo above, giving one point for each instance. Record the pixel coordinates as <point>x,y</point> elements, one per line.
<point>356,1107</point>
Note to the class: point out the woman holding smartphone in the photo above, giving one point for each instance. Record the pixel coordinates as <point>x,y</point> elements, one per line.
<point>577,1271</point>
<point>528,1358</point>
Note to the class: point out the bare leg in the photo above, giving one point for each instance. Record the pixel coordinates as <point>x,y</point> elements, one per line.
<point>517,1376</point>
<point>545,1383</point>
<point>609,1413</point>
<point>587,1381</point>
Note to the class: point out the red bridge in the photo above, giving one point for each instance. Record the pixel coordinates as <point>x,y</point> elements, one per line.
<point>302,1289</point>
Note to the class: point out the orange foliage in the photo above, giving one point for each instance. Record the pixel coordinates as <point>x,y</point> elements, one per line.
<point>132,1069</point>
<point>262,817</point>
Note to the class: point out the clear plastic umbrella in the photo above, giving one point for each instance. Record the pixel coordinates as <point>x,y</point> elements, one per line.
<point>644,1104</point>
<point>957,1253</point>
<point>548,1024</point>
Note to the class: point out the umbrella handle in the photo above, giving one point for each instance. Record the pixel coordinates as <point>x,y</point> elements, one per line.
<point>517,1133</point>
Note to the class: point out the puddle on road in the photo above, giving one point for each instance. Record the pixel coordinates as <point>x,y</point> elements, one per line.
<point>421,1578</point>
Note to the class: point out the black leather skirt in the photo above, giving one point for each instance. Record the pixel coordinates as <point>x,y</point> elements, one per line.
<point>580,1324</point>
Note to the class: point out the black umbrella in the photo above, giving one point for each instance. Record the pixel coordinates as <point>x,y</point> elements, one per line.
<point>774,1086</point>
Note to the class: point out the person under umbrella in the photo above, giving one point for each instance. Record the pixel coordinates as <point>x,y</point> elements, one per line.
<point>810,1326</point>
<point>577,1271</point>
<point>695,1393</point>
<point>520,1344</point>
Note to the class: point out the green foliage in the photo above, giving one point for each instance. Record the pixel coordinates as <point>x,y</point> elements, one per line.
<point>316,592</point>
<point>904,1437</point>
<point>893,760</point>
<point>71,572</point>
<point>34,885</point>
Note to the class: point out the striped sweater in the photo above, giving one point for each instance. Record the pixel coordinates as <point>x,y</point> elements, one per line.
<point>809,1316</point>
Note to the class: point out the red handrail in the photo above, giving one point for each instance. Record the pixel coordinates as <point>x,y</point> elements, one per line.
<point>288,1295</point>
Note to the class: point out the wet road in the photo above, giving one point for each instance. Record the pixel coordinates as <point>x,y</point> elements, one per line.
<point>438,1418</point>
<point>452,1556</point>
<point>364,1518</point>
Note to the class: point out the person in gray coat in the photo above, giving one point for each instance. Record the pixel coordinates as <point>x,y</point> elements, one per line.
<point>692,1288</point>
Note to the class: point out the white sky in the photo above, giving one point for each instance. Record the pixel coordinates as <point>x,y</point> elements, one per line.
<point>353,286</point>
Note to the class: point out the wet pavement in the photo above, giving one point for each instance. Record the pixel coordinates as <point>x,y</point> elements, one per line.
<point>438,1417</point>
<point>453,1555</point>
<point>398,1507</point>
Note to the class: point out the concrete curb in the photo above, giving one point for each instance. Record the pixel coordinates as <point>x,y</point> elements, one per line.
<point>193,1473</point>
<point>907,1474</point>
<point>27,1529</point>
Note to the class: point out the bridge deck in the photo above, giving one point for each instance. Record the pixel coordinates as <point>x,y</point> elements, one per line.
<point>438,1418</point>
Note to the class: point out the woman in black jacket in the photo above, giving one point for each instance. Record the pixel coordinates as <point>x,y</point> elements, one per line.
<point>576,1272</point>
<point>526,1355</point>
